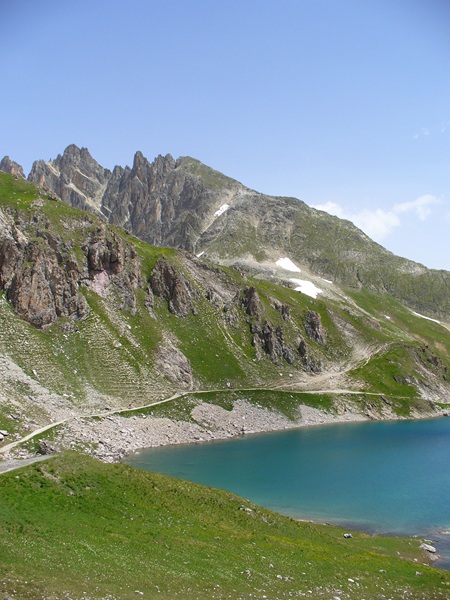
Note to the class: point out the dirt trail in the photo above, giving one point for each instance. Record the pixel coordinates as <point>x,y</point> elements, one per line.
<point>15,463</point>
<point>335,380</point>
<point>5,449</point>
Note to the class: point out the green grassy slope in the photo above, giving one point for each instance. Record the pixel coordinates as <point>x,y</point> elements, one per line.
<point>77,528</point>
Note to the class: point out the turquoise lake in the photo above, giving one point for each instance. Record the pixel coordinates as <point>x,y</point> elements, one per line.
<point>383,477</point>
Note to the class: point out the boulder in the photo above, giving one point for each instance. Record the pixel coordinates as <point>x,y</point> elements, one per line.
<point>428,548</point>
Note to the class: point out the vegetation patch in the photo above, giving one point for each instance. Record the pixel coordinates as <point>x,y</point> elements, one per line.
<point>75,527</point>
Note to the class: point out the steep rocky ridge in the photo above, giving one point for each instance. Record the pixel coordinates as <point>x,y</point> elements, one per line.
<point>165,203</point>
<point>74,176</point>
<point>184,204</point>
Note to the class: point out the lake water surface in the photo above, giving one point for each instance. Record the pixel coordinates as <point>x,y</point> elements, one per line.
<point>385,477</point>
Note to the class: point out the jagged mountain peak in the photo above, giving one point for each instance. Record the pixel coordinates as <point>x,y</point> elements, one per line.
<point>185,204</point>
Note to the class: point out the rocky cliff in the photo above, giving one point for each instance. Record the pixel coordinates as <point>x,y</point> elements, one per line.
<point>42,271</point>
<point>161,202</point>
<point>9,166</point>
<point>184,204</point>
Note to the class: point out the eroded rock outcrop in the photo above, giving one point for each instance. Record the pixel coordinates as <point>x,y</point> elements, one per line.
<point>74,176</point>
<point>111,262</point>
<point>283,309</point>
<point>251,302</point>
<point>173,364</point>
<point>269,339</point>
<point>42,275</point>
<point>169,283</point>
<point>38,286</point>
<point>314,328</point>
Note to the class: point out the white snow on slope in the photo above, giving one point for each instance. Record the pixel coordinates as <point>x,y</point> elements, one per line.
<point>287,264</point>
<point>221,210</point>
<point>427,318</point>
<point>306,287</point>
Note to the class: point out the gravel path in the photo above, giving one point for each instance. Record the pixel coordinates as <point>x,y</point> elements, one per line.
<point>13,464</point>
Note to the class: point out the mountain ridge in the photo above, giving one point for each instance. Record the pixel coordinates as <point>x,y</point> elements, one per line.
<point>184,204</point>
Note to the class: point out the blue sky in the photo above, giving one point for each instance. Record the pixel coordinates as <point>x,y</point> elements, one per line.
<point>341,103</point>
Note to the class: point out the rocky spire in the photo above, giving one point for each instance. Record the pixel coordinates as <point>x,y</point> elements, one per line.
<point>9,166</point>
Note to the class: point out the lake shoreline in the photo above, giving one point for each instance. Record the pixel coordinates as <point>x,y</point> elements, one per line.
<point>114,436</point>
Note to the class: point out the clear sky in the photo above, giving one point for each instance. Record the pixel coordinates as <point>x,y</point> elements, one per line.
<point>344,104</point>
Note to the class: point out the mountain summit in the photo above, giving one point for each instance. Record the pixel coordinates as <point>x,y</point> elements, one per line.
<point>185,204</point>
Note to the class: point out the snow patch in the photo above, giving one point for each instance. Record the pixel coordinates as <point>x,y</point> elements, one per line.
<point>200,254</point>
<point>427,318</point>
<point>326,280</point>
<point>287,264</point>
<point>387,317</point>
<point>306,287</point>
<point>221,210</point>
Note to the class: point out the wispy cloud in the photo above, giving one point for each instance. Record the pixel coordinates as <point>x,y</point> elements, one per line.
<point>379,223</point>
<point>422,206</point>
<point>444,126</point>
<point>424,132</point>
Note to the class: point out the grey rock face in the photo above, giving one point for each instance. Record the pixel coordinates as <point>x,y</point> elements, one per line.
<point>74,176</point>
<point>42,276</point>
<point>168,283</point>
<point>314,328</point>
<point>270,340</point>
<point>172,363</point>
<point>162,202</point>
<point>251,302</point>
<point>37,285</point>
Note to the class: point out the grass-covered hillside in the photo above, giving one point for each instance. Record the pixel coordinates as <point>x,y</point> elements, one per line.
<point>72,527</point>
<point>91,317</point>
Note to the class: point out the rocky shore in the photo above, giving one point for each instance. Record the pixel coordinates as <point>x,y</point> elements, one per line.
<point>112,437</point>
